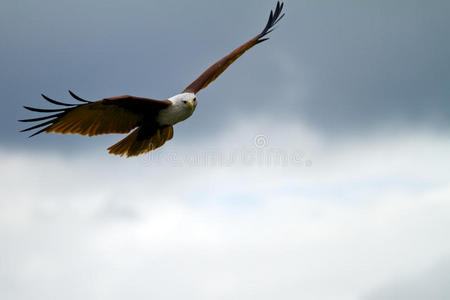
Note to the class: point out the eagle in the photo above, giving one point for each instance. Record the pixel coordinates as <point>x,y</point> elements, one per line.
<point>151,121</point>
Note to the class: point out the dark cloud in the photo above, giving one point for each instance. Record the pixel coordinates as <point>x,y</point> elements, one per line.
<point>377,62</point>
<point>340,67</point>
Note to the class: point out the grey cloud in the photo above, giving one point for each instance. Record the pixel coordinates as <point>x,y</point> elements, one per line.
<point>431,284</point>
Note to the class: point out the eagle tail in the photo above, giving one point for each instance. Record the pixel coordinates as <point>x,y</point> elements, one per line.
<point>142,140</point>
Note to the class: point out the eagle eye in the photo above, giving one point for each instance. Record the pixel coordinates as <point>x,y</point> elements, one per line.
<point>184,101</point>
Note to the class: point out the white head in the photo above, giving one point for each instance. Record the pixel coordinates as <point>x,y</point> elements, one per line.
<point>183,105</point>
<point>185,101</point>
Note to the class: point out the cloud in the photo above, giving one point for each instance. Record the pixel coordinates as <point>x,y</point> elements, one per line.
<point>343,68</point>
<point>90,226</point>
<point>430,284</point>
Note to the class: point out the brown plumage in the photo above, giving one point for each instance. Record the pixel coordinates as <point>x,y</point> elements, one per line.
<point>110,115</point>
<point>150,119</point>
<point>142,140</point>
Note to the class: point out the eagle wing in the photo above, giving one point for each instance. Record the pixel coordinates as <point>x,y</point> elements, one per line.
<point>220,66</point>
<point>110,115</point>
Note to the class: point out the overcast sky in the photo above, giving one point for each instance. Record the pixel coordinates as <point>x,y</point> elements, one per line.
<point>315,167</point>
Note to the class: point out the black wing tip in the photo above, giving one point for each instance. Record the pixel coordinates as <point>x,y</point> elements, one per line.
<point>261,40</point>
<point>49,123</point>
<point>41,118</point>
<point>39,131</point>
<point>38,125</point>
<point>56,102</point>
<point>274,18</point>
<point>78,97</point>
<point>54,117</point>
<point>44,110</point>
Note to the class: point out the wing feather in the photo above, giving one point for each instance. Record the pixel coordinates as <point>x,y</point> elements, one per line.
<point>110,115</point>
<point>220,66</point>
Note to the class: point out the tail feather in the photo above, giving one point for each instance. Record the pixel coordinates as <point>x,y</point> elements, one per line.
<point>142,140</point>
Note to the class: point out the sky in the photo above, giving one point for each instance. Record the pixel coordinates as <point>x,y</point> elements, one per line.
<point>315,167</point>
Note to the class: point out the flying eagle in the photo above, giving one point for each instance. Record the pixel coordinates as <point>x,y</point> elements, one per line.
<point>152,120</point>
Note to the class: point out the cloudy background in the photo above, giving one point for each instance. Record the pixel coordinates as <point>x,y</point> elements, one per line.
<point>316,167</point>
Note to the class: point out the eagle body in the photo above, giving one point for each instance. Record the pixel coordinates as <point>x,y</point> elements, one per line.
<point>149,122</point>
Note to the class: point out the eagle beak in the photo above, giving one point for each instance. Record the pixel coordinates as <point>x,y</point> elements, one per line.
<point>191,104</point>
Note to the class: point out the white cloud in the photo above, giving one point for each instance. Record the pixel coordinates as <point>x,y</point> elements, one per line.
<point>185,225</point>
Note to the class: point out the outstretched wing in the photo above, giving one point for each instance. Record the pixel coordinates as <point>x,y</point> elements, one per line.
<point>219,67</point>
<point>110,115</point>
